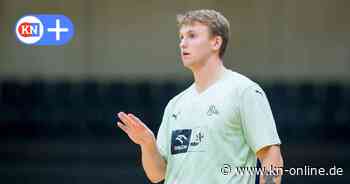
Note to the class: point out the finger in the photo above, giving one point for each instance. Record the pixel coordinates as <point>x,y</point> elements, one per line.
<point>123,127</point>
<point>126,120</point>
<point>136,119</point>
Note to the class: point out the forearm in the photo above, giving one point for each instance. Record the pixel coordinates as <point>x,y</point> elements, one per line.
<point>153,163</point>
<point>273,174</point>
<point>272,163</point>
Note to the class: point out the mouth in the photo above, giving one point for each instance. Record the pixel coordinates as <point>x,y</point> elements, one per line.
<point>185,53</point>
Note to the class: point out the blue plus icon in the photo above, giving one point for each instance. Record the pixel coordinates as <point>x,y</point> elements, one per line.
<point>58,30</point>
<point>44,29</point>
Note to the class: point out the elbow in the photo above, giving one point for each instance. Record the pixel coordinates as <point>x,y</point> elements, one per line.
<point>271,155</point>
<point>156,179</point>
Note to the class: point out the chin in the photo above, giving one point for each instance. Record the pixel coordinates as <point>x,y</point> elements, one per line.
<point>187,63</point>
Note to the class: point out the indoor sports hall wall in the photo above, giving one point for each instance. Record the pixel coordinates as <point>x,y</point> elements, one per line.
<point>271,40</point>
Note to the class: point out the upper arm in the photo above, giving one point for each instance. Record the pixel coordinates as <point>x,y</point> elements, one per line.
<point>257,120</point>
<point>163,133</point>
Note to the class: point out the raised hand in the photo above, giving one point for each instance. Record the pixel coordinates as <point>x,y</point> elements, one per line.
<point>137,131</point>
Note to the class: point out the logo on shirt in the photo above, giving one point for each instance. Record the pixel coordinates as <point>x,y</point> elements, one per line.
<point>212,110</point>
<point>175,115</point>
<point>180,140</point>
<point>188,140</point>
<point>257,91</point>
<point>197,139</point>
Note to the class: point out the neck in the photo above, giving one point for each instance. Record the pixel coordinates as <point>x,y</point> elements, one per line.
<point>208,73</point>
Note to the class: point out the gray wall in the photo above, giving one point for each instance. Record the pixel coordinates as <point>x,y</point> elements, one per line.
<point>289,40</point>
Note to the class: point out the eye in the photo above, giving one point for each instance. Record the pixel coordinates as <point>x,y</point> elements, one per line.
<point>191,35</point>
<point>181,37</point>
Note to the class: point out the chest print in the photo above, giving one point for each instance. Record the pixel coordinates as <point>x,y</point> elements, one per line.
<point>212,110</point>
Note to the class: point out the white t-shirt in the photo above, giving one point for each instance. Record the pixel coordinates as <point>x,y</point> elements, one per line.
<point>224,125</point>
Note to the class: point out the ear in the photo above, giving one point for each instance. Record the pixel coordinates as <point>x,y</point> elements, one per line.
<point>217,42</point>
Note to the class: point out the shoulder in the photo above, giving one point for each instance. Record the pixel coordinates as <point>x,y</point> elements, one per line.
<point>240,83</point>
<point>179,97</point>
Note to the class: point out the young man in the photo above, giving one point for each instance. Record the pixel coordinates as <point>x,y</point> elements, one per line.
<point>223,121</point>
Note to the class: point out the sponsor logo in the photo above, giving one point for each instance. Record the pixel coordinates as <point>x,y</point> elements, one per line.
<point>180,140</point>
<point>188,140</point>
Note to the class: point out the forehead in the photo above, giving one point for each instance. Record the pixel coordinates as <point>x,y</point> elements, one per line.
<point>193,27</point>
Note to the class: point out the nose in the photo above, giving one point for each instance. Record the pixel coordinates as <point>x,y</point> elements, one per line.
<point>183,44</point>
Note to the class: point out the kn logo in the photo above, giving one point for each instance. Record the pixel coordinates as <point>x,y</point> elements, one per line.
<point>44,29</point>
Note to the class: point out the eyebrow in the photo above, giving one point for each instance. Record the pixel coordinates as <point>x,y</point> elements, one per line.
<point>189,31</point>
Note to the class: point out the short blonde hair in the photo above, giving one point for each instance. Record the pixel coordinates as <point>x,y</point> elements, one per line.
<point>216,22</point>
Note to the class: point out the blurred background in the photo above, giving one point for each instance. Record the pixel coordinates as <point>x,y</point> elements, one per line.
<point>58,103</point>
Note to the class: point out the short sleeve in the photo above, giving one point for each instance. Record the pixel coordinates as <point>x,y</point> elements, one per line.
<point>163,134</point>
<point>257,120</point>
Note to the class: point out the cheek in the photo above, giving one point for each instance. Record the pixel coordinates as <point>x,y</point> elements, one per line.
<point>202,45</point>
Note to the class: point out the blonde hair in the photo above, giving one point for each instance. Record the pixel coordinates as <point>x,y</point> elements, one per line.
<point>216,22</point>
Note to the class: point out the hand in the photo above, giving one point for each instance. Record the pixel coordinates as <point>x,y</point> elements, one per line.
<point>137,131</point>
